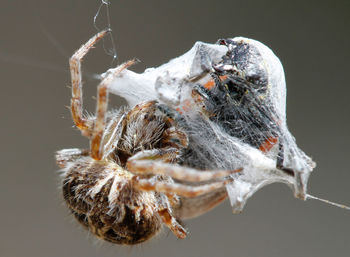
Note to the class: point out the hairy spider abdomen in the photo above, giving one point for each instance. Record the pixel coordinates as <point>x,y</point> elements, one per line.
<point>101,196</point>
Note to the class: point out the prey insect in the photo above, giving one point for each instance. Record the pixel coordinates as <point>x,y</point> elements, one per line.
<point>129,183</point>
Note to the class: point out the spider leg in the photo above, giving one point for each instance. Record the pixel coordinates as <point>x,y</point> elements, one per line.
<point>172,223</point>
<point>101,109</point>
<point>76,77</point>
<point>144,166</point>
<point>189,191</point>
<point>166,155</point>
<point>66,156</point>
<point>193,207</point>
<point>110,141</point>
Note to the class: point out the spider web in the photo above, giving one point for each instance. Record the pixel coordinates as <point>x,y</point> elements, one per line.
<point>240,122</point>
<point>104,22</point>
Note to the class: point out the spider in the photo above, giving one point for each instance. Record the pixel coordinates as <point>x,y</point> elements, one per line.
<point>130,182</point>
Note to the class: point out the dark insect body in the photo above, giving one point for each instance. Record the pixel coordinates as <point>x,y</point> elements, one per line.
<point>238,100</point>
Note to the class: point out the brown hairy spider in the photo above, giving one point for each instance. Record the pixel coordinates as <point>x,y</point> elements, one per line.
<point>129,182</point>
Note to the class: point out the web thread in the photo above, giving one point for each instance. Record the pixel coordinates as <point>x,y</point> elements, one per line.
<point>111,51</point>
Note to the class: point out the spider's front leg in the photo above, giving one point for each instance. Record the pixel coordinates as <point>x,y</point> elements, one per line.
<point>88,127</point>
<point>76,75</point>
<point>101,109</point>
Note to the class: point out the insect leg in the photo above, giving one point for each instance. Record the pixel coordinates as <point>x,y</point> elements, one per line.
<point>280,160</point>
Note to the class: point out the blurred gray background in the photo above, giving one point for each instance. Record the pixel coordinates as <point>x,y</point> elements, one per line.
<point>37,37</point>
